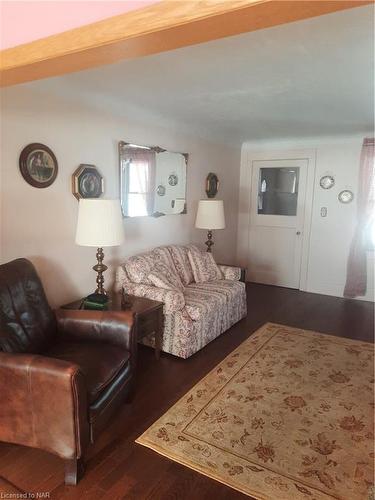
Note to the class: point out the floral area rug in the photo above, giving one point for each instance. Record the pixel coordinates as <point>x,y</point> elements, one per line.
<point>287,415</point>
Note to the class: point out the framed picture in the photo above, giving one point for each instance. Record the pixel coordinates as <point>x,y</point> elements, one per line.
<point>212,185</point>
<point>173,180</point>
<point>38,165</point>
<point>346,196</point>
<point>160,190</point>
<point>327,182</point>
<point>87,182</point>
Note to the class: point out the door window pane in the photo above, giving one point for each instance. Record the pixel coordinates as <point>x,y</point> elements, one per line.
<point>278,191</point>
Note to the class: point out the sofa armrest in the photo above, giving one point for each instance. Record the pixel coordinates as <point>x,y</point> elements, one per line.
<point>43,404</point>
<point>232,272</point>
<point>121,279</point>
<point>114,327</point>
<point>173,300</point>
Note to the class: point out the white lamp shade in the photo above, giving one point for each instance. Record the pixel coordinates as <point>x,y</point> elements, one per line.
<point>99,223</point>
<point>210,215</point>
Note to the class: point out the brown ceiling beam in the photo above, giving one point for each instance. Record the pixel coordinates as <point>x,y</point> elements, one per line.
<point>160,27</point>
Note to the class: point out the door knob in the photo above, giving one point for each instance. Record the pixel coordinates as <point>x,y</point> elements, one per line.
<point>298,233</point>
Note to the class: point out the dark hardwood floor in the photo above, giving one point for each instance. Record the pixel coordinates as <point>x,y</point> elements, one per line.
<point>117,467</point>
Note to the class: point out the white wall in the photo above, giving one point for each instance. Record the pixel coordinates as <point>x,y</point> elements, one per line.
<point>330,237</point>
<point>40,223</point>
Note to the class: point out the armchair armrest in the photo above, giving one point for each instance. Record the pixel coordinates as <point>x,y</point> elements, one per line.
<point>114,327</point>
<point>173,300</point>
<point>232,272</point>
<point>43,404</point>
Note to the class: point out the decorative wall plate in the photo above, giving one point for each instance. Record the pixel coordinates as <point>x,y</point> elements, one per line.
<point>160,190</point>
<point>87,182</point>
<point>212,185</point>
<point>38,165</point>
<point>346,196</point>
<point>327,182</point>
<point>173,180</point>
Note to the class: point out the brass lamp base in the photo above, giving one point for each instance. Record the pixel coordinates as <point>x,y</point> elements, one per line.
<point>209,241</point>
<point>100,268</point>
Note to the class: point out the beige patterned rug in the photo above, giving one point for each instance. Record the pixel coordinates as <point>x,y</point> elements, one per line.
<point>287,415</point>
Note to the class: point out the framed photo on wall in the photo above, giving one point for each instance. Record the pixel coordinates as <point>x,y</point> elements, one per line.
<point>87,182</point>
<point>38,165</point>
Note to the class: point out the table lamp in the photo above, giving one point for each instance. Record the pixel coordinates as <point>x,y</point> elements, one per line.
<point>210,216</point>
<point>99,225</point>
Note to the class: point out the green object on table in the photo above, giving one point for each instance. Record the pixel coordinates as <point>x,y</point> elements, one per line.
<point>88,304</point>
<point>98,298</point>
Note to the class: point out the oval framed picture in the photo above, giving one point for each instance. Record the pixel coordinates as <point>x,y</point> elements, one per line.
<point>38,165</point>
<point>173,180</point>
<point>87,182</point>
<point>212,185</point>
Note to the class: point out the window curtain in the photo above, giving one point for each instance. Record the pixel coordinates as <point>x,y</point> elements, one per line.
<point>356,278</point>
<point>146,176</point>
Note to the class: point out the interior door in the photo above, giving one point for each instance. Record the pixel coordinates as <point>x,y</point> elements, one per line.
<point>276,221</point>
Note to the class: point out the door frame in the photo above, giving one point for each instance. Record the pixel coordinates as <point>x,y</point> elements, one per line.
<point>249,155</point>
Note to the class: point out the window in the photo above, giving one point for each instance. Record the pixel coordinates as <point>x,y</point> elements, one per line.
<point>137,192</point>
<point>278,191</point>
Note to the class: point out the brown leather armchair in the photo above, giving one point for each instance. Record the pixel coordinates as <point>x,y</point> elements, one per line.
<point>62,373</point>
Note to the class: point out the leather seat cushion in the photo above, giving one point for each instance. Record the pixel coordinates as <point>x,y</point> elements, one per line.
<point>109,395</point>
<point>100,363</point>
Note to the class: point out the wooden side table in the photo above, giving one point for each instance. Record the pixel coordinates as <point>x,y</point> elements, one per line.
<point>148,315</point>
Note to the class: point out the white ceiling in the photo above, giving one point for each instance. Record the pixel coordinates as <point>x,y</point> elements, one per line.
<point>313,77</point>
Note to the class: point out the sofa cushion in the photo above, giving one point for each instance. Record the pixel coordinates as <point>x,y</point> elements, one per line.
<point>181,261</point>
<point>139,267</point>
<point>202,299</point>
<point>230,272</point>
<point>173,300</point>
<point>162,255</point>
<point>203,266</point>
<point>100,363</point>
<point>163,276</point>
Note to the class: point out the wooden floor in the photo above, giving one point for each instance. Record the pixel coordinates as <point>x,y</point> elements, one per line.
<point>118,468</point>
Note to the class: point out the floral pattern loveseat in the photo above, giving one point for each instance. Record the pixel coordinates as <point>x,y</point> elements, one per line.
<point>194,313</point>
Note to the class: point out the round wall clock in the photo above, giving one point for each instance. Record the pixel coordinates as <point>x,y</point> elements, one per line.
<point>327,181</point>
<point>346,196</point>
<point>38,165</point>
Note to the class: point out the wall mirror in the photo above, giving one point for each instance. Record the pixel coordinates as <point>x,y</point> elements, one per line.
<point>152,181</point>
